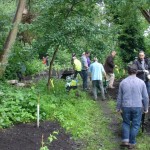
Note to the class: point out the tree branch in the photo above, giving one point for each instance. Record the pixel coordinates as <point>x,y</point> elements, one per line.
<point>146,14</point>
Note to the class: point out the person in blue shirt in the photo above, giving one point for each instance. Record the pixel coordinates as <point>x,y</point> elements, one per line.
<point>97,71</point>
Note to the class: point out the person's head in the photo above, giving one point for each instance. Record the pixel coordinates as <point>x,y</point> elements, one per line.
<point>95,59</point>
<point>83,53</point>
<point>141,55</point>
<point>132,69</point>
<point>87,54</point>
<point>113,53</point>
<point>73,54</point>
<point>74,57</point>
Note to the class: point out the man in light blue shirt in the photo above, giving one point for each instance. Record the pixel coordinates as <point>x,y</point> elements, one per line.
<point>97,71</point>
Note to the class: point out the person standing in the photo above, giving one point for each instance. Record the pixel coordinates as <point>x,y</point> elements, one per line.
<point>88,58</point>
<point>77,67</point>
<point>97,71</point>
<point>143,69</point>
<point>84,70</point>
<point>47,64</point>
<point>109,68</point>
<point>132,96</point>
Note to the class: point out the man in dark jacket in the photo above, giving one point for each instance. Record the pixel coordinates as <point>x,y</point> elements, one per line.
<point>109,68</point>
<point>143,69</point>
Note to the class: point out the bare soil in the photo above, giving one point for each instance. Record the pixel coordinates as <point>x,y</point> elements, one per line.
<point>29,137</point>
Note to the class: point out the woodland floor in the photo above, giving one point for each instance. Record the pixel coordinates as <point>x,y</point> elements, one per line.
<point>29,137</point>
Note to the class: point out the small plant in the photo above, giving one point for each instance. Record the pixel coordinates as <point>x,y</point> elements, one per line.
<point>51,138</point>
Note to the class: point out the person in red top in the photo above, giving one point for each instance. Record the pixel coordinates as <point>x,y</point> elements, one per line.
<point>44,60</point>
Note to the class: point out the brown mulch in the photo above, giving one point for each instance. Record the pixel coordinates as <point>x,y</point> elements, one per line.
<point>29,137</point>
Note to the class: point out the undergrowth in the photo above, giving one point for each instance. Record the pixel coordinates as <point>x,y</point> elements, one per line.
<point>74,110</point>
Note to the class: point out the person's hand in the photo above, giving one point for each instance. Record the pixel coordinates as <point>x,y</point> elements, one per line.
<point>146,111</point>
<point>118,110</point>
<point>145,71</point>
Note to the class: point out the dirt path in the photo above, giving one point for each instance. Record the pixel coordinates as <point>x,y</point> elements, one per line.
<point>114,125</point>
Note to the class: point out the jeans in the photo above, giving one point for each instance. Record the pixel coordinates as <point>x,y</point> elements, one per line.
<point>84,78</point>
<point>97,84</point>
<point>131,123</point>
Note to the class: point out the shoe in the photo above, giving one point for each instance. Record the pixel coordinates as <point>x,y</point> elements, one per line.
<point>103,99</point>
<point>94,98</point>
<point>131,146</point>
<point>124,144</point>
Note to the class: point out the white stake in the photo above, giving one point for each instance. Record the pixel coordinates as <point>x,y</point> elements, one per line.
<point>38,114</point>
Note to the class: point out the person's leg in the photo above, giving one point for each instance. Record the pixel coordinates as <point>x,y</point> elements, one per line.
<point>112,78</point>
<point>100,86</point>
<point>126,115</point>
<point>80,74</point>
<point>94,89</point>
<point>135,125</point>
<point>75,74</point>
<point>84,73</point>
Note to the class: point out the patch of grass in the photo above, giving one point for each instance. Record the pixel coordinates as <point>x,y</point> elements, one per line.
<point>79,115</point>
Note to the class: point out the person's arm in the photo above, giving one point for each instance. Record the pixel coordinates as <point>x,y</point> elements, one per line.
<point>85,64</point>
<point>119,98</point>
<point>139,70</point>
<point>145,97</point>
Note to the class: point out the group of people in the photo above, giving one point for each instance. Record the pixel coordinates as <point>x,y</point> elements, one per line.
<point>133,93</point>
<point>95,71</point>
<point>133,99</point>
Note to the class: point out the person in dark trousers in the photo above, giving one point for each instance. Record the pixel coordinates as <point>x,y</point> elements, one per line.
<point>109,68</point>
<point>143,69</point>
<point>84,71</point>
<point>47,63</point>
<point>97,71</point>
<point>132,101</point>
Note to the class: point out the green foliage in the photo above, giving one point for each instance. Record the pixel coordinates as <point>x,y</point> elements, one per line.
<point>23,59</point>
<point>73,25</point>
<point>17,105</point>
<point>34,66</point>
<point>6,14</point>
<point>130,32</point>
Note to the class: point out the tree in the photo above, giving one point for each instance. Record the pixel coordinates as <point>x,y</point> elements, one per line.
<point>65,25</point>
<point>11,37</point>
<point>125,14</point>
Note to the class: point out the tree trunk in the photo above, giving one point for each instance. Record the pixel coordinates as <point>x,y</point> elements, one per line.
<point>56,50</point>
<point>50,67</point>
<point>146,14</point>
<point>11,37</point>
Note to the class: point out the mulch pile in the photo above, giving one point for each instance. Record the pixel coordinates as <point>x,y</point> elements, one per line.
<point>29,137</point>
